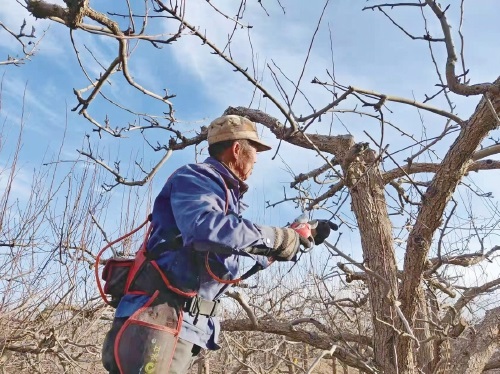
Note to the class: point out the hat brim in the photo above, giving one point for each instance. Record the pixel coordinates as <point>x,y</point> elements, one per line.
<point>260,146</point>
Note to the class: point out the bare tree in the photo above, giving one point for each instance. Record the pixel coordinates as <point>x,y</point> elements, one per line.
<point>51,223</point>
<point>430,312</point>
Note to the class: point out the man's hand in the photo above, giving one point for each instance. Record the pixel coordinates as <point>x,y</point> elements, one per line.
<point>288,240</point>
<point>287,243</point>
<point>316,231</point>
<point>320,230</point>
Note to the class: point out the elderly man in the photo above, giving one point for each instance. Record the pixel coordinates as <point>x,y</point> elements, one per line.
<point>197,240</point>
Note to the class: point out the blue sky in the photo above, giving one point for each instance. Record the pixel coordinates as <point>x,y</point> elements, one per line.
<point>368,52</point>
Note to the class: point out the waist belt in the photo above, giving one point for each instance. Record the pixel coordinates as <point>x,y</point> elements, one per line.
<point>149,278</point>
<point>197,305</point>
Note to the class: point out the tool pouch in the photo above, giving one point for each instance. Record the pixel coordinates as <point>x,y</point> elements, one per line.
<point>115,275</point>
<point>146,342</point>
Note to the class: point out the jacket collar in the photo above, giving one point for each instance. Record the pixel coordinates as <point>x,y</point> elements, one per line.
<point>232,181</point>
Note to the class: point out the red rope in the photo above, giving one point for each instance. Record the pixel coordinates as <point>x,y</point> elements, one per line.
<point>170,286</point>
<point>215,277</point>
<point>98,257</point>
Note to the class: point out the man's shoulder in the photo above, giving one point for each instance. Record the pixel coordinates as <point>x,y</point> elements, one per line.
<point>195,169</point>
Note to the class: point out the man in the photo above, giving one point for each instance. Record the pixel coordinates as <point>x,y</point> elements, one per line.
<point>197,240</point>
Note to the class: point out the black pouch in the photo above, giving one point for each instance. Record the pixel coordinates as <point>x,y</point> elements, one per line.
<point>115,275</point>
<point>150,278</point>
<point>146,342</point>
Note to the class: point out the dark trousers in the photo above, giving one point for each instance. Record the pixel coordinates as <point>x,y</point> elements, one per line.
<point>183,356</point>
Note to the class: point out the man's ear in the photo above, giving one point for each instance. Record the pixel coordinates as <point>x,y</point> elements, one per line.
<point>236,150</point>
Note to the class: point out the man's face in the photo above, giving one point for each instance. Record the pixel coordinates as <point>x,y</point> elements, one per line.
<point>246,157</point>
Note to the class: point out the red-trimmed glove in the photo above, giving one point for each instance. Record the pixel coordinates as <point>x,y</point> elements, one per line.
<point>287,243</point>
<point>304,229</point>
<point>315,231</point>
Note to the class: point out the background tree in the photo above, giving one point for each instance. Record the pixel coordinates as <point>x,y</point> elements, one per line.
<point>425,282</point>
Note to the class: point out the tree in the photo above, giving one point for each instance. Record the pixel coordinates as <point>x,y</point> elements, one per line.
<point>416,194</point>
<point>51,220</point>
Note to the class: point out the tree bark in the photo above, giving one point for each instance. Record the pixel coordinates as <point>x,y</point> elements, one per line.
<point>362,176</point>
<point>425,352</point>
<point>365,183</point>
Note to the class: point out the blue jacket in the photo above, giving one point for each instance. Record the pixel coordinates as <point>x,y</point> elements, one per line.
<point>191,208</point>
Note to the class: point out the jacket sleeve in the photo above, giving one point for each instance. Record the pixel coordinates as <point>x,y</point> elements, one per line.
<point>198,200</point>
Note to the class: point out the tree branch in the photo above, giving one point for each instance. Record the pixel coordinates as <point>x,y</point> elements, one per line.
<point>453,167</point>
<point>319,341</point>
<point>470,354</point>
<point>416,168</point>
<point>451,77</point>
<point>414,103</point>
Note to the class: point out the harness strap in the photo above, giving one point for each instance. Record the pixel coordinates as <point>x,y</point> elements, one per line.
<point>98,257</point>
<point>143,255</point>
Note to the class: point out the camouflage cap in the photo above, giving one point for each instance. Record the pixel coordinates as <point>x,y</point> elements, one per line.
<point>232,127</point>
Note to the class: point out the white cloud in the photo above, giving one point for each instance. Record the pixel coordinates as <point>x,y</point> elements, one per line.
<point>216,75</point>
<point>34,103</point>
<point>20,185</point>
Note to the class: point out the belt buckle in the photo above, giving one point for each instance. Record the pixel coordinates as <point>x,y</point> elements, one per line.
<point>215,309</point>
<point>195,307</point>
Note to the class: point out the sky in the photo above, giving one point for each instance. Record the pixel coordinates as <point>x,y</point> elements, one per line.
<point>363,49</point>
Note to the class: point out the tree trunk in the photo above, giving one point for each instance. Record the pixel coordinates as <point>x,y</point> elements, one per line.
<point>364,180</point>
<point>453,168</point>
<point>425,353</point>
